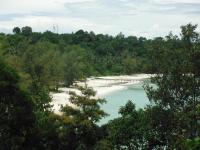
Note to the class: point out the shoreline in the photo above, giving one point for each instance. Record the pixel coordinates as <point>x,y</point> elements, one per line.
<point>102,85</point>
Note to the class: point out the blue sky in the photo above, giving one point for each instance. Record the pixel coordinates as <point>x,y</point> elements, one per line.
<point>149,18</point>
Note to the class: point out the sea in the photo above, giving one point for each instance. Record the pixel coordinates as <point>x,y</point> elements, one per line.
<point>117,99</point>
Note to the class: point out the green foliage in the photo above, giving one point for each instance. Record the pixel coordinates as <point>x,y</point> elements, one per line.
<point>130,131</point>
<point>16,30</point>
<point>17,123</point>
<point>41,64</point>
<point>177,94</point>
<point>84,114</point>
<point>62,59</point>
<point>26,31</point>
<point>193,144</point>
<point>45,61</point>
<point>172,119</point>
<point>76,64</point>
<point>103,145</point>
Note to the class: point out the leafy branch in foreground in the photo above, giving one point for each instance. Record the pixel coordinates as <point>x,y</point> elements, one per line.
<point>178,89</point>
<point>84,113</point>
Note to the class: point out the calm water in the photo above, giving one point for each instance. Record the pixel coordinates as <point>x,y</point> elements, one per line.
<point>115,100</point>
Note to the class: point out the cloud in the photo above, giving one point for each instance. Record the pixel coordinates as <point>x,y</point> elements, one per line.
<point>27,6</point>
<point>177,1</point>
<point>75,1</point>
<point>165,6</point>
<point>132,17</point>
<point>46,23</point>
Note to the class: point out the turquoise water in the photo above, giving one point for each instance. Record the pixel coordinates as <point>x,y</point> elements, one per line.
<point>116,99</point>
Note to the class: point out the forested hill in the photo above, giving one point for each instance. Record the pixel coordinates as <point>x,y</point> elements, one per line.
<point>63,58</point>
<point>42,60</point>
<point>58,57</point>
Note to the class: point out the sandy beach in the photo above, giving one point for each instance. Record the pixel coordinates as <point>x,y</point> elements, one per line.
<point>102,85</point>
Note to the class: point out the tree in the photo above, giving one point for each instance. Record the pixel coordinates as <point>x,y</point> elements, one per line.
<point>77,64</point>
<point>17,123</point>
<point>16,30</point>
<point>84,115</point>
<point>41,61</point>
<point>177,93</point>
<point>26,30</point>
<point>132,130</point>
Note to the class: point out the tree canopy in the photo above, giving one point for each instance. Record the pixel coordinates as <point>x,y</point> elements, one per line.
<point>32,64</point>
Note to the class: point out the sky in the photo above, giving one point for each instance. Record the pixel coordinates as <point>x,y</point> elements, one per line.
<point>147,18</point>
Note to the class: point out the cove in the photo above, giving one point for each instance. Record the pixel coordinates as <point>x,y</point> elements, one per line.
<point>116,99</point>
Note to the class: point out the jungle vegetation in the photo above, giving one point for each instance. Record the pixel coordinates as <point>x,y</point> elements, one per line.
<point>32,64</point>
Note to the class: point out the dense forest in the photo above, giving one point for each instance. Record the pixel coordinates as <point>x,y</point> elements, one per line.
<point>32,64</point>
<point>56,58</point>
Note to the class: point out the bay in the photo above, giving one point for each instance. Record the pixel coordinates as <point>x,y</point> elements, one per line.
<point>117,99</point>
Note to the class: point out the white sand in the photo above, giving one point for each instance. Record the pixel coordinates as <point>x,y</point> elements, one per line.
<point>102,85</point>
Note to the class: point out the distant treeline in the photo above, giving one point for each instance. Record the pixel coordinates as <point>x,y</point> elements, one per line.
<point>64,58</point>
